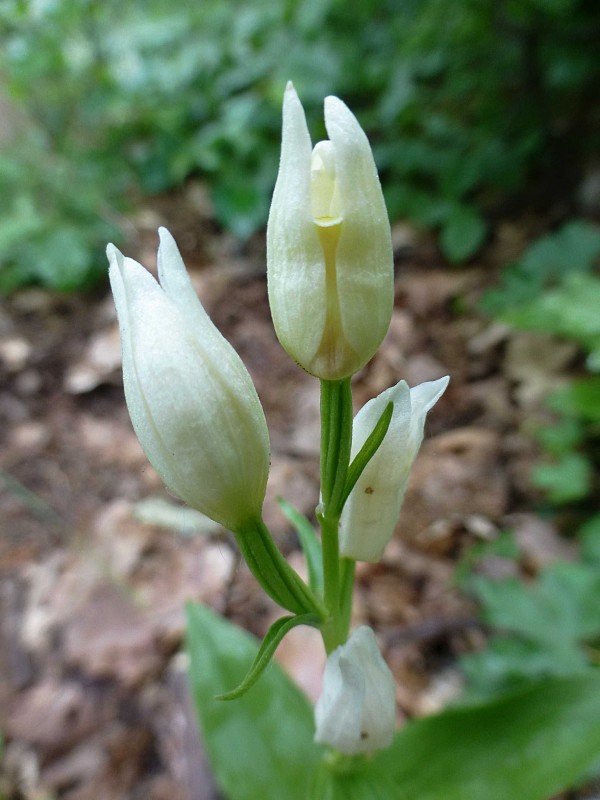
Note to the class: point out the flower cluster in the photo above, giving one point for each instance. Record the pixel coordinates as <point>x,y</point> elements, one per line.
<point>199,419</point>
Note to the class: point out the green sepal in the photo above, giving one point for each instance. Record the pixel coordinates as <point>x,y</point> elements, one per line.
<point>311,546</point>
<point>272,571</point>
<point>367,451</point>
<point>267,650</point>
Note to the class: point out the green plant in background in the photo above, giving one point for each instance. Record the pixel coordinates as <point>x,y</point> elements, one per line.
<point>549,627</point>
<point>555,289</point>
<point>462,99</point>
<point>200,422</point>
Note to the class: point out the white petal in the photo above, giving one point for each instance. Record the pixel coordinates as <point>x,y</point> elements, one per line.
<point>139,412</point>
<point>295,262</point>
<point>364,257</point>
<point>175,281</point>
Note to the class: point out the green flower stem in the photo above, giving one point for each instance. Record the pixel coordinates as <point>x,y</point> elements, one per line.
<point>348,568</point>
<point>336,440</point>
<point>331,576</point>
<point>272,571</point>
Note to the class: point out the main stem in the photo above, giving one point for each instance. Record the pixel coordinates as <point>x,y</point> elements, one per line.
<point>336,440</point>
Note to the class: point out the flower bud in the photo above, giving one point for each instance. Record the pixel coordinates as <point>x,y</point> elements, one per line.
<point>192,402</point>
<point>356,712</point>
<point>329,250</point>
<point>373,506</point>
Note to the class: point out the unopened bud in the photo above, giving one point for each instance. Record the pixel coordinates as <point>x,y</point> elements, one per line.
<point>192,402</point>
<point>373,506</point>
<point>356,711</point>
<point>329,250</point>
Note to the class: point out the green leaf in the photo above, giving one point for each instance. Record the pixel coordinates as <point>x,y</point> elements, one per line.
<point>574,248</point>
<point>572,310</point>
<point>528,745</point>
<point>581,397</point>
<point>311,545</point>
<point>562,437</point>
<point>589,535</point>
<point>266,651</point>
<point>261,746</point>
<point>567,480</point>
<point>462,233</point>
<point>548,262</point>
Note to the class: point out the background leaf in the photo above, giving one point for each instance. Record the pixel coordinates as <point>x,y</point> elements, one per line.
<point>525,746</point>
<point>260,746</point>
<point>462,233</point>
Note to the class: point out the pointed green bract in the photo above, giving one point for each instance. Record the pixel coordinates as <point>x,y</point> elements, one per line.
<point>367,451</point>
<point>266,651</point>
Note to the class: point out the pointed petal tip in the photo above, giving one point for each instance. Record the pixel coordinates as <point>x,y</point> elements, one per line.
<point>115,257</point>
<point>331,101</point>
<point>167,242</point>
<point>164,234</point>
<point>290,95</point>
<point>334,107</point>
<point>426,395</point>
<point>341,122</point>
<point>441,384</point>
<point>169,255</point>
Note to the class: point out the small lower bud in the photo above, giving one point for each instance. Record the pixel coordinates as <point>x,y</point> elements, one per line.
<point>356,712</point>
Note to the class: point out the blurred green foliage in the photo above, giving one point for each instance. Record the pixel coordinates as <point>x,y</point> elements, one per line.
<point>555,289</point>
<point>549,627</point>
<point>462,100</point>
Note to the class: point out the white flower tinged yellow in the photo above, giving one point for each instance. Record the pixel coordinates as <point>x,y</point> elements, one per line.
<point>373,506</point>
<point>192,402</point>
<point>356,712</point>
<point>329,250</point>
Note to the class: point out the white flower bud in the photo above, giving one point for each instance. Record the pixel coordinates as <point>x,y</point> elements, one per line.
<point>356,712</point>
<point>192,402</point>
<point>373,506</point>
<point>329,249</point>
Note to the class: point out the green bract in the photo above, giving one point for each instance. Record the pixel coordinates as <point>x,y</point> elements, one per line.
<point>191,400</point>
<point>329,250</point>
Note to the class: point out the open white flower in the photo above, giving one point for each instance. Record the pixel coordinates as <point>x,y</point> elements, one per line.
<point>356,711</point>
<point>192,402</point>
<point>373,506</point>
<point>329,249</point>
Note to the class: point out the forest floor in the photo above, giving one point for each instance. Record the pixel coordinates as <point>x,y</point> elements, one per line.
<point>97,560</point>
